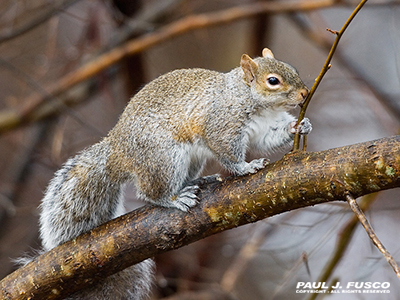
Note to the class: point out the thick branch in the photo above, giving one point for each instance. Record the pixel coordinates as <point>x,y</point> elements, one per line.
<point>297,180</point>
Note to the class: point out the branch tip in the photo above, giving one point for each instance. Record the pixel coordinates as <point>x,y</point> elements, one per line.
<point>326,67</point>
<point>333,31</point>
<point>371,233</point>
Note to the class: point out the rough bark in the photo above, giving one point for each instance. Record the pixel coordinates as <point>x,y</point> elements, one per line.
<point>297,180</point>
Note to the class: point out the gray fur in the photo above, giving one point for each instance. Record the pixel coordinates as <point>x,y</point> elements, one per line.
<point>161,143</point>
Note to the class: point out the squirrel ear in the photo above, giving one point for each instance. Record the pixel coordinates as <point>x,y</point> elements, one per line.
<point>267,53</point>
<point>249,68</point>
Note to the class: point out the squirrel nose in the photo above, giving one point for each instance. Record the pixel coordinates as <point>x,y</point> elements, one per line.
<point>304,94</point>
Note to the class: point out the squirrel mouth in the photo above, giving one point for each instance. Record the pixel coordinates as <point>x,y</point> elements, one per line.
<point>292,106</point>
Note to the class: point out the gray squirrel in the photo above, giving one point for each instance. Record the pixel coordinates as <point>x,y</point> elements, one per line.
<point>161,143</point>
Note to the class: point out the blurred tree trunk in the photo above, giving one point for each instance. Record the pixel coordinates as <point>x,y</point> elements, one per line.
<point>132,65</point>
<point>261,33</point>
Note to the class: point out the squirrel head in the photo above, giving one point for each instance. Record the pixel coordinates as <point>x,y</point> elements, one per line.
<point>273,83</point>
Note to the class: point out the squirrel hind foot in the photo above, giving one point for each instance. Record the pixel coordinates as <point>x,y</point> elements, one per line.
<point>186,198</point>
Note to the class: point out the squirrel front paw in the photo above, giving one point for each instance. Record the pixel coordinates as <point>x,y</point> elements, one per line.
<point>254,166</point>
<point>304,127</point>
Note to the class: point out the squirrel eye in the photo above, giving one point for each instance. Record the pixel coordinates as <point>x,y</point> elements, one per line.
<point>273,81</point>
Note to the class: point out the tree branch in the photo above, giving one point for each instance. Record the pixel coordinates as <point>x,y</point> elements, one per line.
<point>371,233</point>
<point>38,107</point>
<point>297,180</point>
<point>25,27</point>
<point>343,241</point>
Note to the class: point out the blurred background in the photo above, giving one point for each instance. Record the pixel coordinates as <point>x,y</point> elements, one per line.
<point>64,80</point>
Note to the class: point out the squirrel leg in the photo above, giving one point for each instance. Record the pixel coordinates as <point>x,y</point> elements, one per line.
<point>172,185</point>
<point>233,156</point>
<point>187,196</point>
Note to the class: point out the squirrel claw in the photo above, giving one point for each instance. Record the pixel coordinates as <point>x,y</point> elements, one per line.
<point>186,198</point>
<point>206,179</point>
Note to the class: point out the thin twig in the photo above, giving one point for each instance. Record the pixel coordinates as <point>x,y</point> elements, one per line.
<point>304,143</point>
<point>24,28</point>
<point>325,68</point>
<point>361,217</point>
<point>391,110</point>
<point>344,239</point>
